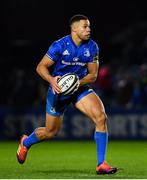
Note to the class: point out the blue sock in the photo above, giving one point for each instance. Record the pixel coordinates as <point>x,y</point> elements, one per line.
<point>101,139</point>
<point>32,139</point>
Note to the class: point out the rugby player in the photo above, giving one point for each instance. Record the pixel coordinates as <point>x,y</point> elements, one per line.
<point>77,53</point>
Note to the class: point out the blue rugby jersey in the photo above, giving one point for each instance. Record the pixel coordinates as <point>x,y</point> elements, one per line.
<point>71,58</point>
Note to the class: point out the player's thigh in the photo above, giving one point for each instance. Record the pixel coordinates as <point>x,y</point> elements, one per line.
<point>53,122</point>
<point>91,105</point>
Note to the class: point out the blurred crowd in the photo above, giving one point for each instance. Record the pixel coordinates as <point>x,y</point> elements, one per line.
<point>122,80</point>
<point>125,89</point>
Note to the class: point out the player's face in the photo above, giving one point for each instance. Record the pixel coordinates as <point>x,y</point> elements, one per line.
<point>83,29</point>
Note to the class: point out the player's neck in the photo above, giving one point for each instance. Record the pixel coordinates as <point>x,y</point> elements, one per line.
<point>76,40</point>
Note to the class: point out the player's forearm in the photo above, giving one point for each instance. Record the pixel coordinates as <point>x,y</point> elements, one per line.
<point>44,73</point>
<point>90,78</point>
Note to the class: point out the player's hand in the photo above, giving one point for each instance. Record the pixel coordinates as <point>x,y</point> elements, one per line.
<point>54,85</point>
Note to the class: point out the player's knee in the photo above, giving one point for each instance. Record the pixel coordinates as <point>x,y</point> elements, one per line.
<point>101,118</point>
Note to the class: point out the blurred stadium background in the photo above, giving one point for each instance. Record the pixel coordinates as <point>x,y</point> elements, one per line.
<point>27,30</point>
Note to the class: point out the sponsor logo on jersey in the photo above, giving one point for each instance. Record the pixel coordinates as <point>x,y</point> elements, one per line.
<point>73,63</point>
<point>75,59</point>
<point>65,53</point>
<point>86,52</point>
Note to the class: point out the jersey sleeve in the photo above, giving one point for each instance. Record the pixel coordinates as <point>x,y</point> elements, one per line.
<point>94,57</point>
<point>54,51</point>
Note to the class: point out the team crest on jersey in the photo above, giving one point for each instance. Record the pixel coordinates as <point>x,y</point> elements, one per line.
<point>86,52</point>
<point>66,52</point>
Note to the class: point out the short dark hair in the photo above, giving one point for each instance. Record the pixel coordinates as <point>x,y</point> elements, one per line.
<point>76,18</point>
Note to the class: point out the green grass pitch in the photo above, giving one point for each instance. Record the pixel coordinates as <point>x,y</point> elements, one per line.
<point>73,160</point>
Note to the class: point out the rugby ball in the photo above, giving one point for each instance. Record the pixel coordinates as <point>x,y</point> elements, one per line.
<point>68,83</point>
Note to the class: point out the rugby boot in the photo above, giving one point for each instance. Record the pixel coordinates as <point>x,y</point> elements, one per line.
<point>104,168</point>
<point>22,150</point>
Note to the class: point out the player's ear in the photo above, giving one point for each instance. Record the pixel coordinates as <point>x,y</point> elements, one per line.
<point>74,26</point>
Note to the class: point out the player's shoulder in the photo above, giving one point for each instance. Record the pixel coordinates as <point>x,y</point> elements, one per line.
<point>93,44</point>
<point>61,43</point>
<point>63,40</point>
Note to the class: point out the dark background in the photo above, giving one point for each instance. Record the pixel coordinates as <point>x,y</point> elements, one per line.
<point>28,27</point>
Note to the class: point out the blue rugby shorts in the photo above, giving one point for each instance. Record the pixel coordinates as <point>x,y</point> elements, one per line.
<point>56,104</point>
